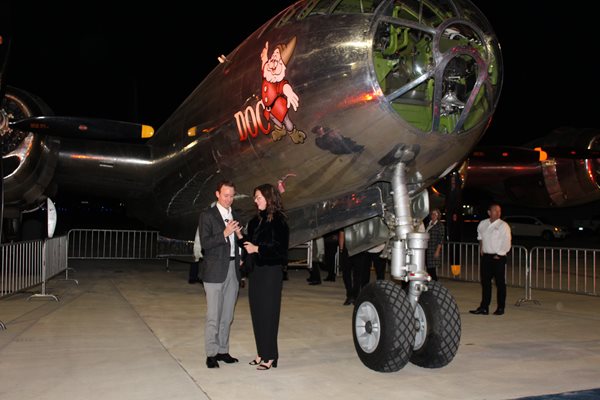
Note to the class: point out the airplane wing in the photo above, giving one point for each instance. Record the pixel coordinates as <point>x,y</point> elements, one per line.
<point>563,170</point>
<point>559,169</point>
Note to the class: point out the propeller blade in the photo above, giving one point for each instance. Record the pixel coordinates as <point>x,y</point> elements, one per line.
<point>84,128</point>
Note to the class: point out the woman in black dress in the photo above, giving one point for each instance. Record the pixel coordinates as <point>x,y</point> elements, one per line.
<point>267,247</point>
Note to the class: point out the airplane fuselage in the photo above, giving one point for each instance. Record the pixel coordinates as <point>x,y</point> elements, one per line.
<point>319,101</point>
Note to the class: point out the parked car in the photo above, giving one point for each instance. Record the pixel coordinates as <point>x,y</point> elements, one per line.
<point>523,225</point>
<point>587,225</point>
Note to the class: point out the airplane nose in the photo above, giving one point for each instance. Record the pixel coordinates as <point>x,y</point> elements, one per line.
<point>439,66</point>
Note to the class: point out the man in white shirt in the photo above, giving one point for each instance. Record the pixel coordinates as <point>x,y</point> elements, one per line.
<point>494,242</point>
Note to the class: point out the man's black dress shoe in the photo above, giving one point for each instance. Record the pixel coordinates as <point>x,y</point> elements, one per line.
<point>329,279</point>
<point>197,280</point>
<point>227,358</point>
<point>499,311</point>
<point>479,310</point>
<point>314,282</point>
<point>348,301</point>
<point>211,362</point>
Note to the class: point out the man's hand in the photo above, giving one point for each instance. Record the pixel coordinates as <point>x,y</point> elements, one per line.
<point>231,227</point>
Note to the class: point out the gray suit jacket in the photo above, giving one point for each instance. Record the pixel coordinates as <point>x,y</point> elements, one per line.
<point>216,247</point>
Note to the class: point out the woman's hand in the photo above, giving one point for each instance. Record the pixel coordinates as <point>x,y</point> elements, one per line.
<point>250,248</point>
<point>238,233</point>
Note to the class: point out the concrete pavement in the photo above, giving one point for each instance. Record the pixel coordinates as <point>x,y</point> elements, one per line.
<point>133,330</point>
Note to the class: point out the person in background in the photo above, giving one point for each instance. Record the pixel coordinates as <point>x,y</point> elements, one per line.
<point>331,244</point>
<point>195,266</point>
<point>374,258</point>
<point>494,242</point>
<point>348,274</point>
<point>266,246</point>
<point>221,273</point>
<point>314,273</point>
<point>437,233</point>
<point>355,270</point>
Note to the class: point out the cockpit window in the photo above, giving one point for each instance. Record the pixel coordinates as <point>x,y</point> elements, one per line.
<point>437,68</point>
<point>309,8</point>
<point>354,7</point>
<point>425,12</point>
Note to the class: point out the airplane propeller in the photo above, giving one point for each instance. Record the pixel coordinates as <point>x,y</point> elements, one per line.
<point>83,128</point>
<point>57,126</point>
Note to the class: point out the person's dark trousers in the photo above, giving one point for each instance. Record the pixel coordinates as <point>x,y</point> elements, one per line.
<point>363,265</point>
<point>314,276</point>
<point>493,268</point>
<point>379,264</point>
<point>433,273</point>
<point>329,258</point>
<point>193,275</point>
<point>347,273</point>
<point>354,274</point>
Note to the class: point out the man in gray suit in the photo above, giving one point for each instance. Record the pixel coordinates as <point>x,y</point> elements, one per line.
<point>221,273</point>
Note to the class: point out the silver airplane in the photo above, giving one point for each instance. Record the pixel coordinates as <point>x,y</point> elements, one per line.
<point>352,108</point>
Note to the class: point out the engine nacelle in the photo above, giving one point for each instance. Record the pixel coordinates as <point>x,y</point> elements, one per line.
<point>566,177</point>
<point>28,160</point>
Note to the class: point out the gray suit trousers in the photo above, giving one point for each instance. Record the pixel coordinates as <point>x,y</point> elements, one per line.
<point>220,305</point>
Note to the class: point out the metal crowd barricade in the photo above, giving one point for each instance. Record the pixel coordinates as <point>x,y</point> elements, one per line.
<point>564,269</point>
<point>112,244</point>
<point>28,264</point>
<point>54,261</point>
<point>21,266</point>
<point>466,256</point>
<point>309,256</point>
<point>548,268</point>
<point>125,245</point>
<point>167,248</point>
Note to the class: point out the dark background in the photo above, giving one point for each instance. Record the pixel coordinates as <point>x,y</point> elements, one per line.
<point>138,61</point>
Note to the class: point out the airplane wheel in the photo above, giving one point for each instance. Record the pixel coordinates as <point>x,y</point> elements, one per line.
<point>383,327</point>
<point>439,328</point>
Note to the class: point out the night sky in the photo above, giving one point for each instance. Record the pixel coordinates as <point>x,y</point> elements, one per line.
<point>95,59</point>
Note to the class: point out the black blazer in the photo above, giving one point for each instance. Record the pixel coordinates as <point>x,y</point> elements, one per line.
<point>216,247</point>
<point>272,239</point>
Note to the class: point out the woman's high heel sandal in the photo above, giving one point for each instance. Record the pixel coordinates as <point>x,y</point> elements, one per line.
<point>266,366</point>
<point>255,361</point>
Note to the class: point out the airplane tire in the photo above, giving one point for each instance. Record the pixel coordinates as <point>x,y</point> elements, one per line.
<point>439,328</point>
<point>383,326</point>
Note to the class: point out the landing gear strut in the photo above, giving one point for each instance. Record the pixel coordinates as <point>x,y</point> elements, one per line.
<point>417,321</point>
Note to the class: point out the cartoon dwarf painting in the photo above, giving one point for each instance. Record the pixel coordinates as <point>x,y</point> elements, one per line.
<point>277,94</point>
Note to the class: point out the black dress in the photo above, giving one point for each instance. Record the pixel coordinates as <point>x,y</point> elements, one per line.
<point>265,280</point>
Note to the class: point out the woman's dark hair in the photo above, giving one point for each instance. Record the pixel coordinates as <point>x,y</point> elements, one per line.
<point>273,199</point>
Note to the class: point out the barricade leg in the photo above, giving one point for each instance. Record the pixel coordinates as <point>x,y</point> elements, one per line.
<point>527,297</point>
